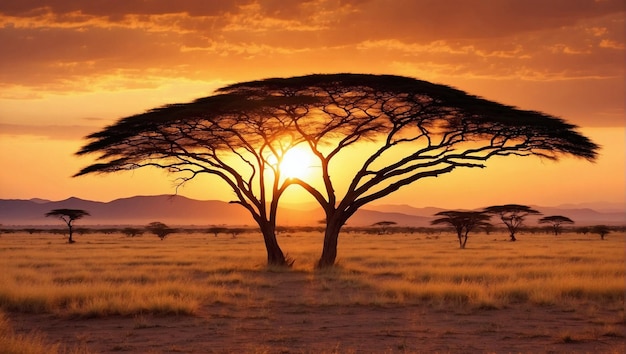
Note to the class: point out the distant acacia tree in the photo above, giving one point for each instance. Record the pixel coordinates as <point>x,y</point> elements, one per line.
<point>512,215</point>
<point>601,230</point>
<point>68,216</point>
<point>463,222</point>
<point>556,221</point>
<point>414,130</point>
<point>384,225</point>
<point>235,231</point>
<point>583,230</point>
<point>159,229</point>
<point>216,230</point>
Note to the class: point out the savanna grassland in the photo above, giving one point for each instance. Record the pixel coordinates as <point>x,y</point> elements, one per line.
<point>197,293</point>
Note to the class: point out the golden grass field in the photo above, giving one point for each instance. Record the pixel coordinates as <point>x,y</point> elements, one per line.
<point>196,293</point>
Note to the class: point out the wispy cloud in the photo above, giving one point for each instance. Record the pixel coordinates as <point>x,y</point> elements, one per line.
<point>55,132</point>
<point>68,46</point>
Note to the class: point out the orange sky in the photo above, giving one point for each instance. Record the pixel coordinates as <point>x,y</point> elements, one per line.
<point>70,67</point>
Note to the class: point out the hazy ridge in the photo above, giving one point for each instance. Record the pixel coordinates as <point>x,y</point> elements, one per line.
<point>179,210</point>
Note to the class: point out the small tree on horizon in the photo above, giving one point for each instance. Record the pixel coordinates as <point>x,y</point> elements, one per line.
<point>384,226</point>
<point>556,221</point>
<point>512,215</point>
<point>215,230</point>
<point>68,216</point>
<point>159,229</point>
<point>601,230</point>
<point>463,222</point>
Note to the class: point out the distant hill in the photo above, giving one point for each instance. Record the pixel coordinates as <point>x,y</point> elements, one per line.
<point>612,215</point>
<point>179,210</point>
<point>175,210</point>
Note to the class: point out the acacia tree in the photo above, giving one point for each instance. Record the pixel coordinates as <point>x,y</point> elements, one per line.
<point>384,225</point>
<point>68,216</point>
<point>556,221</point>
<point>601,230</point>
<point>415,129</point>
<point>159,229</point>
<point>463,222</point>
<point>512,215</point>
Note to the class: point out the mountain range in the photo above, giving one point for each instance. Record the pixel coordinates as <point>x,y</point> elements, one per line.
<point>179,210</point>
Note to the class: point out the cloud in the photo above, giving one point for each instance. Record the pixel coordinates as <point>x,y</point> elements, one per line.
<point>117,9</point>
<point>69,46</point>
<point>55,132</point>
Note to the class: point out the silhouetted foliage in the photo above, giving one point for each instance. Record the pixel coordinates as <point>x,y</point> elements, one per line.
<point>159,229</point>
<point>68,216</point>
<point>583,230</point>
<point>556,221</point>
<point>601,230</point>
<point>417,130</point>
<point>463,222</point>
<point>235,231</point>
<point>512,215</point>
<point>216,230</point>
<point>131,231</point>
<point>384,226</point>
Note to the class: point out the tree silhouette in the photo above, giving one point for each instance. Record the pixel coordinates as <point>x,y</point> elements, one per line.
<point>601,230</point>
<point>216,230</point>
<point>159,229</point>
<point>131,231</point>
<point>512,215</point>
<point>463,222</point>
<point>415,130</point>
<point>556,221</point>
<point>384,226</point>
<point>68,216</point>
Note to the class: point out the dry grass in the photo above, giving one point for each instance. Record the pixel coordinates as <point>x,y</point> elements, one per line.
<point>387,282</point>
<point>104,275</point>
<point>31,343</point>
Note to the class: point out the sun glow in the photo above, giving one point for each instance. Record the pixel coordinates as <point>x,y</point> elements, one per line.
<point>296,163</point>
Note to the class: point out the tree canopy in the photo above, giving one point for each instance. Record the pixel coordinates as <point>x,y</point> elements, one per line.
<point>463,222</point>
<point>160,229</point>
<point>556,221</point>
<point>601,230</point>
<point>417,129</point>
<point>512,215</point>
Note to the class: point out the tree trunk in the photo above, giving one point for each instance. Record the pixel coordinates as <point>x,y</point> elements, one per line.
<point>329,252</point>
<point>464,242</point>
<point>513,237</point>
<point>275,256</point>
<point>70,240</point>
<point>461,245</point>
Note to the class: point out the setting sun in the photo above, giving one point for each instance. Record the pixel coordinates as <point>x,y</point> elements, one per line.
<point>296,163</point>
